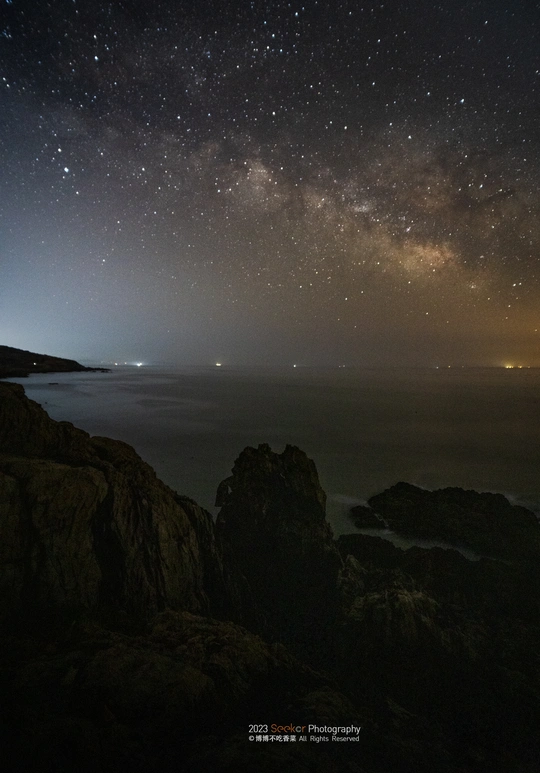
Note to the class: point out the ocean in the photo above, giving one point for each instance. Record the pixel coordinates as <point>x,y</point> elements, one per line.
<point>365,429</point>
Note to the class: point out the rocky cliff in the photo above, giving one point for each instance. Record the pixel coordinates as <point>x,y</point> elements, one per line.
<point>138,635</point>
<point>117,649</point>
<point>86,524</point>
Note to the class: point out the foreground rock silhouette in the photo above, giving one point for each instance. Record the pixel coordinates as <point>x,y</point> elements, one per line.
<point>137,635</point>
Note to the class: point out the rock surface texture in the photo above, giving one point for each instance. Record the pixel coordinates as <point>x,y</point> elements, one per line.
<point>86,524</point>
<point>138,635</point>
<point>274,533</point>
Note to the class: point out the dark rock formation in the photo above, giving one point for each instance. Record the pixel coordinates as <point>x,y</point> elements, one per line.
<point>117,597</point>
<point>94,674</point>
<point>86,524</point>
<point>17,363</point>
<point>370,551</point>
<point>181,696</point>
<point>274,532</point>
<point>365,518</point>
<point>486,523</point>
<point>449,641</point>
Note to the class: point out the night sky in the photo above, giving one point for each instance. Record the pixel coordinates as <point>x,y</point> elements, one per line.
<point>271,183</point>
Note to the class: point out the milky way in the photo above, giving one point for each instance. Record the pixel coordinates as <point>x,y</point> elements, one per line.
<point>271,183</point>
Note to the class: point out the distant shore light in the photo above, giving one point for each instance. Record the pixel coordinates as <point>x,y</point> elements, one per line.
<point>218,364</point>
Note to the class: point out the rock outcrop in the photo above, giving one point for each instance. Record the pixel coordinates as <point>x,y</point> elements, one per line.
<point>18,363</point>
<point>365,518</point>
<point>86,525</point>
<point>275,536</point>
<point>179,696</point>
<point>138,635</point>
<point>450,642</point>
<point>485,523</point>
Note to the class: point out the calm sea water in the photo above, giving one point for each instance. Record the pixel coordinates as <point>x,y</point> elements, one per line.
<point>365,429</point>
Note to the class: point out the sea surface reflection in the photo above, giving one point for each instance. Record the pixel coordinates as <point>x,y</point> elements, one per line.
<point>365,429</point>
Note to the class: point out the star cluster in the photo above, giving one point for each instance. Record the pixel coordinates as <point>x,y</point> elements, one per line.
<point>271,182</point>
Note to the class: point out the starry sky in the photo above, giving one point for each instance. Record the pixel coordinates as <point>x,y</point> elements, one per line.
<point>272,182</point>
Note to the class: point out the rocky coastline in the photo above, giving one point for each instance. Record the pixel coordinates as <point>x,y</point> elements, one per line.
<point>18,363</point>
<point>139,635</point>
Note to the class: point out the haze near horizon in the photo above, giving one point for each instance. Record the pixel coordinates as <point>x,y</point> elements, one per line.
<point>270,184</point>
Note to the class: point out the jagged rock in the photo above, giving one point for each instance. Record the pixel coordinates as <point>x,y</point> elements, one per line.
<point>17,363</point>
<point>85,523</point>
<point>398,617</point>
<point>352,580</point>
<point>365,518</point>
<point>438,651</point>
<point>370,551</point>
<point>486,523</point>
<point>274,532</point>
